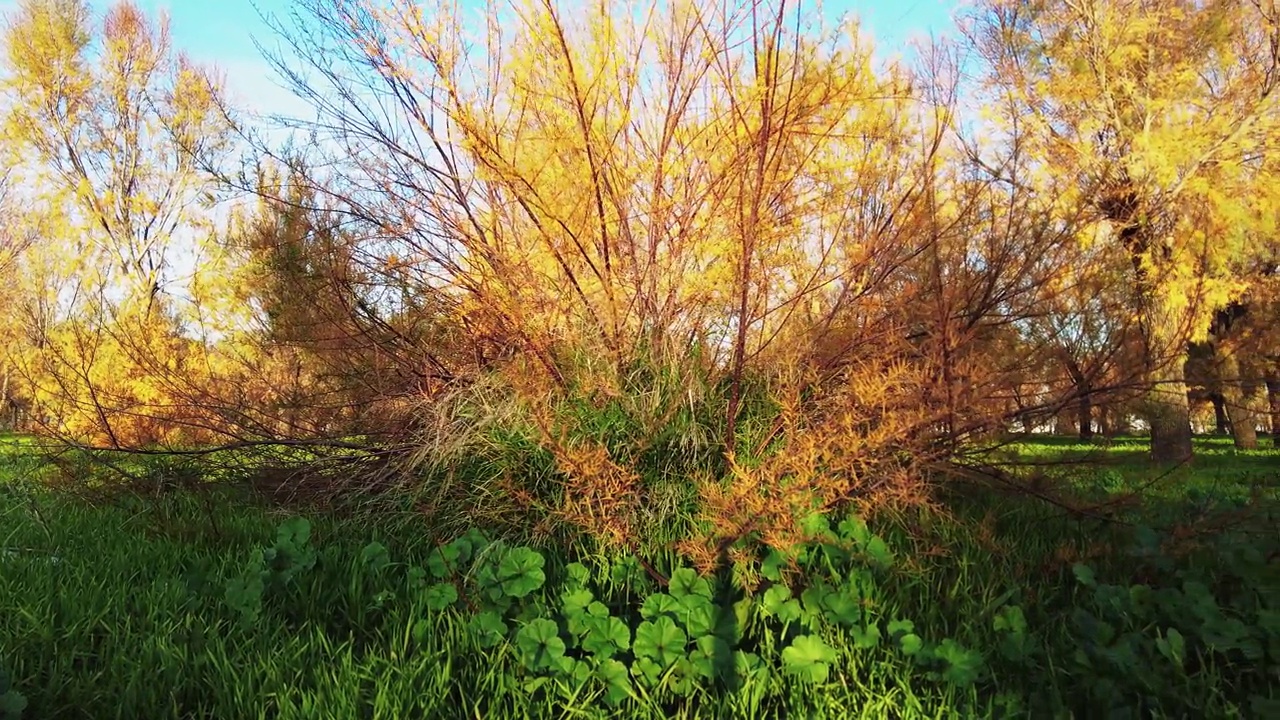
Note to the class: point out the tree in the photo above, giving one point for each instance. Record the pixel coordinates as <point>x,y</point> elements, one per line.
<point>1084,326</point>
<point>111,129</point>
<point>1164,114</point>
<point>725,213</point>
<point>16,237</point>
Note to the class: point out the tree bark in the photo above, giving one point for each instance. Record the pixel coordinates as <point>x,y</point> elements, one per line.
<point>1273,395</point>
<point>4,399</point>
<point>1084,399</point>
<point>1239,395</point>
<point>1084,412</point>
<point>1221,423</point>
<point>1169,411</point>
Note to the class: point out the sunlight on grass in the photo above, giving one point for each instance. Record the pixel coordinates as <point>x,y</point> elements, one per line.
<point>180,609</point>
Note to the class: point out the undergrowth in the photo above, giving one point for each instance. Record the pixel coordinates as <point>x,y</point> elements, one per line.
<point>194,608</point>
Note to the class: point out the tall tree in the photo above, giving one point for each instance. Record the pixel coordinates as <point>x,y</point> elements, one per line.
<point>114,125</point>
<point>1165,114</point>
<point>16,236</point>
<point>110,129</point>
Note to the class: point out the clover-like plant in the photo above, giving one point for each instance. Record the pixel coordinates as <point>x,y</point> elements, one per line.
<point>809,658</point>
<point>539,645</point>
<point>685,582</point>
<point>657,646</point>
<point>778,603</point>
<point>520,572</point>
<point>375,557</point>
<point>12,702</point>
<point>605,636</point>
<point>616,679</point>
<point>962,666</point>
<point>271,567</point>
<point>489,628</point>
<point>1011,624</point>
<point>440,596</point>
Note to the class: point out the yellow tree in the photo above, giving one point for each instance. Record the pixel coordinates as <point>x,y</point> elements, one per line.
<point>16,236</point>
<point>672,210</point>
<point>111,128</point>
<point>1163,114</point>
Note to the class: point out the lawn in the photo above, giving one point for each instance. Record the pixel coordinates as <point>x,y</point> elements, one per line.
<point>998,606</point>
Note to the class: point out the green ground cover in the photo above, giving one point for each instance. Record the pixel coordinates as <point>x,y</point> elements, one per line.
<point>217,607</point>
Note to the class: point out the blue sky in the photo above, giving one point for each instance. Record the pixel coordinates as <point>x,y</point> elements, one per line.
<point>222,32</point>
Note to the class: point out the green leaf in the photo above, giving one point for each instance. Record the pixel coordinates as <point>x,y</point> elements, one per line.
<point>659,604</point>
<point>741,615</point>
<point>375,557</point>
<point>606,636</point>
<point>244,596</point>
<point>1146,540</point>
<point>626,570</point>
<point>660,641</point>
<point>647,670</point>
<point>817,526</point>
<point>421,629</point>
<point>539,645</point>
<point>1264,707</point>
<point>773,566</point>
<point>12,704</point>
<point>443,561</point>
<point>616,679</point>
<point>813,603</point>
<point>571,668</point>
<point>710,656</point>
<point>417,577</point>
<point>685,582</point>
<point>900,627</point>
<point>470,544</point>
<point>963,665</point>
<point>683,678</point>
<point>809,658</point>
<point>520,572</point>
<point>854,530</point>
<point>534,684</point>
<point>488,581</point>
<point>697,614</point>
<point>489,628</point>
<point>878,551</point>
<point>440,596</point>
<point>911,644</point>
<point>1173,647</point>
<point>748,666</point>
<point>575,602</point>
<point>577,575</point>
<point>295,532</point>
<point>1084,574</point>
<point>1011,620</point>
<point>773,599</point>
<point>865,639</point>
<point>843,607</point>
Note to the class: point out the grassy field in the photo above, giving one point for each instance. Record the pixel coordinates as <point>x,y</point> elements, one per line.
<point>1168,606</point>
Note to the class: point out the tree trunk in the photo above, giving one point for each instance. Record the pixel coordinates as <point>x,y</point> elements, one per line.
<point>1239,396</point>
<point>1085,413</point>
<point>1169,411</point>
<point>4,396</point>
<point>1104,421</point>
<point>1221,423</point>
<point>1084,399</point>
<point>1273,395</point>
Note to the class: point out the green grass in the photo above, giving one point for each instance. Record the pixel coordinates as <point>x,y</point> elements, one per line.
<point>123,610</point>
